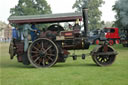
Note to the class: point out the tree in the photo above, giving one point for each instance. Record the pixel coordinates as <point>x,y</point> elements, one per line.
<point>31,7</point>
<point>121,8</point>
<point>94,14</point>
<point>3,25</point>
<point>108,24</point>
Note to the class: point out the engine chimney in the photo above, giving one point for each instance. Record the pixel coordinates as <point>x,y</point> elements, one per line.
<point>85,20</point>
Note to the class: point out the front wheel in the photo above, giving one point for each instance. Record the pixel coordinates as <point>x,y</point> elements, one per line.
<point>111,42</point>
<point>104,55</point>
<point>97,41</point>
<point>117,41</point>
<point>43,52</point>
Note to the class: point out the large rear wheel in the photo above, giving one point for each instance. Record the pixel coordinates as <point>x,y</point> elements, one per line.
<point>43,53</point>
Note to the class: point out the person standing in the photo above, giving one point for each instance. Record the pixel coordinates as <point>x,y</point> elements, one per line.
<point>26,29</point>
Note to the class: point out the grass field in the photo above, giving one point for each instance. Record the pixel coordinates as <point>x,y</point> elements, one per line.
<point>79,72</point>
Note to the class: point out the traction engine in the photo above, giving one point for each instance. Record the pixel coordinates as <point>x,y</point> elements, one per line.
<point>52,45</point>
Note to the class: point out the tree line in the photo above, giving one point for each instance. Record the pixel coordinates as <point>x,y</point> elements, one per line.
<point>34,7</point>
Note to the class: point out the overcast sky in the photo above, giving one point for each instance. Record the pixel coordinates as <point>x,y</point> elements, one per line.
<point>58,6</point>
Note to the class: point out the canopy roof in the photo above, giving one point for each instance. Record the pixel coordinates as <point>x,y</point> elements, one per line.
<point>47,18</point>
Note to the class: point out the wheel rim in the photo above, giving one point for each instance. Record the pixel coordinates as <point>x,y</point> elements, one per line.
<point>117,41</point>
<point>97,42</point>
<point>43,53</point>
<point>111,42</point>
<point>104,60</point>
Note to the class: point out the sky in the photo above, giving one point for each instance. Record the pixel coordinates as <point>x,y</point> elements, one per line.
<point>58,6</point>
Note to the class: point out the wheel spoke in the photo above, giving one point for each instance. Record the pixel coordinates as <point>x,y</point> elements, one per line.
<point>102,59</point>
<point>105,60</point>
<point>98,57</point>
<point>47,49</point>
<point>35,55</point>
<point>42,45</point>
<point>36,59</point>
<point>34,52</point>
<point>50,58</point>
<point>35,48</point>
<point>43,62</point>
<point>40,60</point>
<point>51,54</point>
<point>38,45</point>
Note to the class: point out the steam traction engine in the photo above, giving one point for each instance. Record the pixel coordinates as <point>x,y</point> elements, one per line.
<point>52,45</point>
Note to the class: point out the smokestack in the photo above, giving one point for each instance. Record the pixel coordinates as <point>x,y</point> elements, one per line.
<point>85,20</point>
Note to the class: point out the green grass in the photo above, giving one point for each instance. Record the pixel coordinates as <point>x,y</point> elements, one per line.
<point>79,72</point>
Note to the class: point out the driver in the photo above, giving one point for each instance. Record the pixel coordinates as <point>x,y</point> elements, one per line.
<point>33,34</point>
<point>76,26</point>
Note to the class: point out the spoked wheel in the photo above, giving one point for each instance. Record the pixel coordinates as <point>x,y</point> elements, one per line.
<point>43,53</point>
<point>104,56</point>
<point>111,42</point>
<point>117,41</point>
<point>97,41</point>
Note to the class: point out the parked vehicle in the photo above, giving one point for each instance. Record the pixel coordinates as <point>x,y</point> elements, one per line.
<point>112,35</point>
<point>94,37</point>
<point>52,45</point>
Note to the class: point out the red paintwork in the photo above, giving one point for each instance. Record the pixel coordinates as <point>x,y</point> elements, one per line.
<point>117,41</point>
<point>111,42</point>
<point>112,35</point>
<point>68,34</point>
<point>97,42</point>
